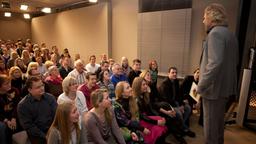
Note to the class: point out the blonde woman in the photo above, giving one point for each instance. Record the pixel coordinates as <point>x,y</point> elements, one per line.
<point>16,78</point>
<point>71,94</point>
<point>65,128</point>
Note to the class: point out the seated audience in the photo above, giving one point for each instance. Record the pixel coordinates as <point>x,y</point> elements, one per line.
<point>125,66</point>
<point>9,99</point>
<point>163,109</point>
<point>16,78</point>
<point>41,67</point>
<point>153,69</point>
<point>36,111</point>
<point>65,128</point>
<point>89,87</point>
<point>100,121</point>
<point>3,69</point>
<point>126,111</point>
<point>92,66</point>
<point>186,87</point>
<point>135,72</point>
<point>148,117</point>
<point>19,63</point>
<point>170,92</point>
<point>11,61</point>
<point>25,56</point>
<point>103,67</point>
<point>53,82</point>
<point>117,75</point>
<point>71,94</point>
<point>79,73</point>
<point>65,69</point>
<point>104,82</point>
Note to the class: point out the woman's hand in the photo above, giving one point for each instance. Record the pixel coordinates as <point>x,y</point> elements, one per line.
<point>161,122</point>
<point>146,131</point>
<point>134,136</point>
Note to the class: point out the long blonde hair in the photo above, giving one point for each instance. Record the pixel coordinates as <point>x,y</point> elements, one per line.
<point>62,123</point>
<point>132,100</point>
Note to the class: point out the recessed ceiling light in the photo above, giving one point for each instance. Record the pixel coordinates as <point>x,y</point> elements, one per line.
<point>26,16</point>
<point>93,1</point>
<point>23,7</point>
<point>7,14</point>
<point>46,10</point>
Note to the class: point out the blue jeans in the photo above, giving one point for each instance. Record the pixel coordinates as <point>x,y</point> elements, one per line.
<point>184,116</point>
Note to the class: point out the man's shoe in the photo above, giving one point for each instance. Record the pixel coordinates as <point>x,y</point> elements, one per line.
<point>190,133</point>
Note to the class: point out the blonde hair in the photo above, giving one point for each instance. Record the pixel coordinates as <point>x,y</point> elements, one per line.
<point>217,14</point>
<point>12,69</point>
<point>67,82</point>
<point>62,123</point>
<point>48,64</point>
<point>31,65</point>
<point>144,73</point>
<point>133,107</point>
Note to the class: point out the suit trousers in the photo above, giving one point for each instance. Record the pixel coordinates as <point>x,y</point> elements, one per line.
<point>214,111</point>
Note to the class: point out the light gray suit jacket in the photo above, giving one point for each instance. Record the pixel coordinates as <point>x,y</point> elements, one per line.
<point>218,66</point>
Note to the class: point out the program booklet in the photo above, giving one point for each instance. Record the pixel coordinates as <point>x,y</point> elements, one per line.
<point>193,92</point>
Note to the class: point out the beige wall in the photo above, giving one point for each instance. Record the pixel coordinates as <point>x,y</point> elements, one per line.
<point>124,29</point>
<point>82,30</point>
<point>14,27</point>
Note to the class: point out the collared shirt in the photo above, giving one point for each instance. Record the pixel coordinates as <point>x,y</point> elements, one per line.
<point>80,77</point>
<point>36,116</point>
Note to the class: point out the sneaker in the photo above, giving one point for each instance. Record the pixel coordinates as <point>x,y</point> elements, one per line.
<point>190,133</point>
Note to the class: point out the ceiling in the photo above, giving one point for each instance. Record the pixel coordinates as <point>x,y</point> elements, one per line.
<point>35,6</point>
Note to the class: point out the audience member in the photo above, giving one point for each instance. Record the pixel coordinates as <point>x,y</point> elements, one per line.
<point>92,66</point>
<point>104,82</point>
<point>148,117</point>
<point>89,87</point>
<point>65,69</point>
<point>100,121</point>
<point>170,92</point>
<point>117,75</point>
<point>135,72</point>
<point>71,94</point>
<point>16,78</point>
<point>79,73</point>
<point>65,127</point>
<point>36,111</point>
<point>53,82</point>
<point>127,114</point>
<point>125,66</point>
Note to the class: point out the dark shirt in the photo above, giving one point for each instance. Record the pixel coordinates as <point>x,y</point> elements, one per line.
<point>170,92</point>
<point>64,72</point>
<point>186,86</point>
<point>145,110</point>
<point>8,104</point>
<point>123,115</point>
<point>132,75</point>
<point>36,116</point>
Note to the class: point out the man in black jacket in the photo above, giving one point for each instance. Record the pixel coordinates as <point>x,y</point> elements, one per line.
<point>170,92</point>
